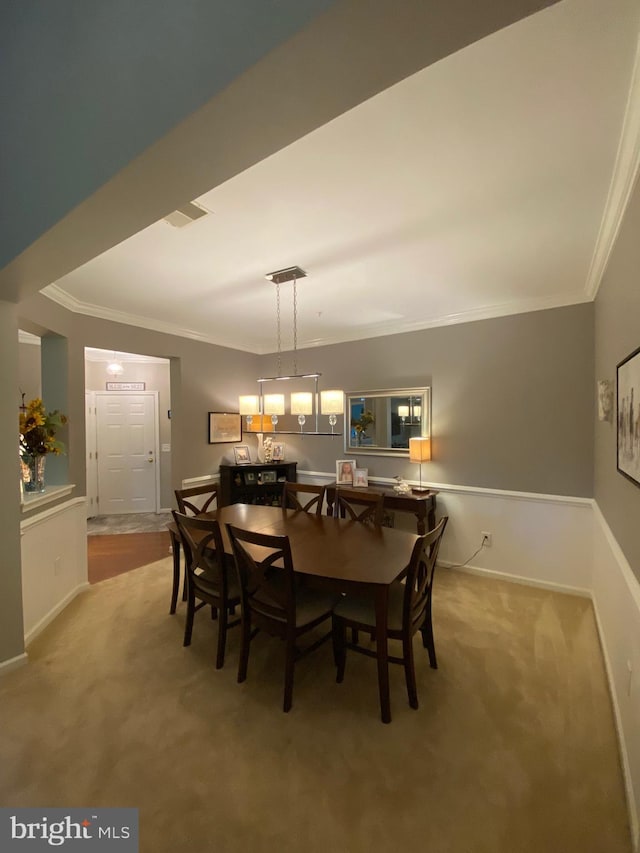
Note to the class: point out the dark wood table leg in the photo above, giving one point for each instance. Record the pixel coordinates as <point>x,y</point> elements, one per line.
<point>382,604</point>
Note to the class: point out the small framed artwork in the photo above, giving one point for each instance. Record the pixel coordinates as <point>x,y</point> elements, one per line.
<point>344,471</point>
<point>360,478</point>
<point>241,452</point>
<point>224,427</point>
<point>628,416</point>
<point>269,477</point>
<point>250,478</point>
<point>278,452</point>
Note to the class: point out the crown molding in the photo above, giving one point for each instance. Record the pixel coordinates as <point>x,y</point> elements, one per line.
<point>625,172</point>
<point>61,297</point>
<point>521,306</point>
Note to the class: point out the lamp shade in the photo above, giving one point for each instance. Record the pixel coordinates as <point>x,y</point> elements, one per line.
<point>249,404</point>
<point>332,402</point>
<point>419,449</point>
<point>417,411</point>
<point>274,404</point>
<point>403,411</point>
<point>302,403</point>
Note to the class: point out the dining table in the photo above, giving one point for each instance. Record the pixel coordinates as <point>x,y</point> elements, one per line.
<point>341,554</point>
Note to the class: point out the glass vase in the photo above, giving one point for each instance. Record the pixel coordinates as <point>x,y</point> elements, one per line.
<point>33,472</point>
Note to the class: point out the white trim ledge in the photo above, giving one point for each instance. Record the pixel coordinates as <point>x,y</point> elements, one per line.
<point>8,666</point>
<point>53,493</point>
<point>49,513</point>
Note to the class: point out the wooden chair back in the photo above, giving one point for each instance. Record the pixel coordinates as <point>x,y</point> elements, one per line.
<point>266,577</point>
<point>419,579</point>
<point>293,497</point>
<point>365,507</point>
<point>203,550</point>
<point>205,497</point>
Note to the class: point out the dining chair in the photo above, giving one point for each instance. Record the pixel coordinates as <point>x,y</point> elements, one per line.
<point>272,601</point>
<point>292,497</point>
<point>409,612</point>
<point>205,496</point>
<point>355,504</point>
<point>209,580</point>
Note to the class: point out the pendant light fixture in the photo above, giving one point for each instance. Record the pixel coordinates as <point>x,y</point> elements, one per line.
<point>301,402</point>
<point>115,368</point>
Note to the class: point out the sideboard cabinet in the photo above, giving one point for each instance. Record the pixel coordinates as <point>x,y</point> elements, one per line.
<point>255,484</point>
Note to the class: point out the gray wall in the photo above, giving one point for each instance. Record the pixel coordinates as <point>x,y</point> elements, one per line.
<point>203,378</point>
<point>512,405</point>
<point>617,325</point>
<point>512,399</point>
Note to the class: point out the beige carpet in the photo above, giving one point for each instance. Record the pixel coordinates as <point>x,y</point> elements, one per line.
<point>512,750</point>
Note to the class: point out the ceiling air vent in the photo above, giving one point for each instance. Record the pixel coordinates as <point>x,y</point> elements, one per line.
<point>186,214</point>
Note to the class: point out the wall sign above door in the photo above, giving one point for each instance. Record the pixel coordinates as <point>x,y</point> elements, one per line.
<point>126,386</point>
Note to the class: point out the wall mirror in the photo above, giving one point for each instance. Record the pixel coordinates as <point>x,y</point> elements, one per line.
<point>382,422</point>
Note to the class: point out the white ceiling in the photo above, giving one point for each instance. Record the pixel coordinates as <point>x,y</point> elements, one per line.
<point>475,188</point>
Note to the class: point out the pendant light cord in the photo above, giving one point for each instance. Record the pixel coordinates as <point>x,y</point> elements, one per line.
<point>278,322</point>
<point>295,327</point>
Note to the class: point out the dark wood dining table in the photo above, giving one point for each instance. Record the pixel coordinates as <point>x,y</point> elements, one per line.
<point>346,555</point>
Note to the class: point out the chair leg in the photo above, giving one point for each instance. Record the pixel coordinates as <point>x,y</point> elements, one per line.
<point>243,664</point>
<point>289,665</point>
<point>427,638</point>
<point>185,585</point>
<point>339,632</point>
<point>214,612</point>
<point>188,628</point>
<point>409,671</point>
<point>175,550</point>
<point>222,637</point>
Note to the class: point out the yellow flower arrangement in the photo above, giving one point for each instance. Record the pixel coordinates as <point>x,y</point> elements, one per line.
<point>38,429</point>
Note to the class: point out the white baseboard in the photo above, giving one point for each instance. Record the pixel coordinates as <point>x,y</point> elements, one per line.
<point>200,481</point>
<point>39,627</point>
<point>504,576</point>
<point>7,666</point>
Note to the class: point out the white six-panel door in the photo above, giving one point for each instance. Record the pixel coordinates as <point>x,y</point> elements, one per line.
<point>127,443</point>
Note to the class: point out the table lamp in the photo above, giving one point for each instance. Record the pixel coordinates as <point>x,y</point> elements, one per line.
<point>420,451</point>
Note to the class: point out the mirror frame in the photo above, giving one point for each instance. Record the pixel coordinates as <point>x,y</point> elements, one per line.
<point>378,450</point>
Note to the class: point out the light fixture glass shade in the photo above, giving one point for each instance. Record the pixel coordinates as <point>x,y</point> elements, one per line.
<point>301,403</point>
<point>403,411</point>
<point>249,404</point>
<point>332,402</point>
<point>274,404</point>
<point>419,449</point>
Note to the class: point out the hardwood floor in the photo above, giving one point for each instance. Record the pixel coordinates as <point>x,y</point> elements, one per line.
<point>111,555</point>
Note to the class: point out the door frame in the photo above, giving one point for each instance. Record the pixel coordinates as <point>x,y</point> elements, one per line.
<point>156,434</point>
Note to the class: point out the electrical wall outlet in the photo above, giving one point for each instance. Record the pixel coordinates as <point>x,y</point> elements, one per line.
<point>486,539</point>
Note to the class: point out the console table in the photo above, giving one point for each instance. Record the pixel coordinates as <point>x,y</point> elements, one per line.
<point>422,506</point>
<point>259,483</point>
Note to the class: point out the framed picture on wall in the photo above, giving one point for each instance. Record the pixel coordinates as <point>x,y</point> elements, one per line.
<point>224,427</point>
<point>628,416</point>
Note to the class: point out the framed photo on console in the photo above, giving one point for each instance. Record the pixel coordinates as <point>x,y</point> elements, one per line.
<point>241,452</point>
<point>360,478</point>
<point>628,416</point>
<point>344,471</point>
<point>277,452</point>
